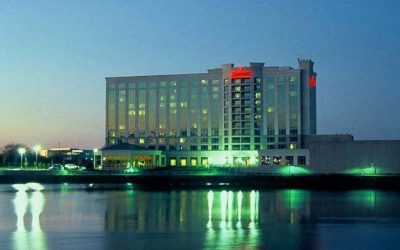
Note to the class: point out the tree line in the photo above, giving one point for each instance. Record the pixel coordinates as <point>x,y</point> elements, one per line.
<point>9,155</point>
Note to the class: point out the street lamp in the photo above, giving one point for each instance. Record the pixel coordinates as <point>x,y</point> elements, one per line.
<point>373,167</point>
<point>21,151</point>
<point>36,148</point>
<point>95,151</point>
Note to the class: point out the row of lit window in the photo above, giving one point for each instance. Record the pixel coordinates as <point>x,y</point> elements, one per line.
<point>161,84</point>
<point>279,160</point>
<point>183,161</point>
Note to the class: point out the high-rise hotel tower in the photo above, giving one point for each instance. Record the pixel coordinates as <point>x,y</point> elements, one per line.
<point>230,111</point>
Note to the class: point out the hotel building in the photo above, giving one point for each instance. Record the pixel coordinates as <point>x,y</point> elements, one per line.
<point>226,116</point>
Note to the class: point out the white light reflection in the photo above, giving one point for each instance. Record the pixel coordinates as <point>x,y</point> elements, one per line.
<point>257,201</point>
<point>230,205</point>
<point>210,198</point>
<point>35,239</point>
<point>20,187</point>
<point>37,203</point>
<point>240,199</point>
<point>20,206</point>
<point>224,199</point>
<point>252,205</point>
<point>35,186</point>
<point>233,230</point>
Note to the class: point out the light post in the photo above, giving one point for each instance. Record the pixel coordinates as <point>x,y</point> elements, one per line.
<point>95,151</point>
<point>36,148</point>
<point>21,151</point>
<point>373,168</point>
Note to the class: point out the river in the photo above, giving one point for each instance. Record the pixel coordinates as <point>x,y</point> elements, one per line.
<point>73,216</point>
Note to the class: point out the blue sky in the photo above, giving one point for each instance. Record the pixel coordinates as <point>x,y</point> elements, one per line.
<point>54,57</point>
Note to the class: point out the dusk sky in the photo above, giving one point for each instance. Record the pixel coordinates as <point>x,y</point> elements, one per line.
<point>54,56</point>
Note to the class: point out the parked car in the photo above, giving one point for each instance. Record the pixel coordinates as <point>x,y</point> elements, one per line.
<point>56,167</point>
<point>71,166</point>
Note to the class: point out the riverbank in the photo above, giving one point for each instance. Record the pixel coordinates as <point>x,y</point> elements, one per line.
<point>198,179</point>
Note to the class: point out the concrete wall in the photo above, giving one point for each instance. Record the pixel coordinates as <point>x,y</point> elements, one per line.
<point>341,154</point>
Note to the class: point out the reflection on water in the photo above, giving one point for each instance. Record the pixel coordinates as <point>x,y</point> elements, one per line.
<point>35,238</point>
<point>230,232</point>
<point>20,206</point>
<point>209,219</point>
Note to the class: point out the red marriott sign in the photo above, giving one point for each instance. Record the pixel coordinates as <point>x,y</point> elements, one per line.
<point>240,72</point>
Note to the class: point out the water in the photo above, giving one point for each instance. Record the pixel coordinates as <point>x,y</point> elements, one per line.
<point>71,217</point>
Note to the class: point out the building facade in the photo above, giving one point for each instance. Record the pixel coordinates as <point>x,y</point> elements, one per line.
<point>230,112</point>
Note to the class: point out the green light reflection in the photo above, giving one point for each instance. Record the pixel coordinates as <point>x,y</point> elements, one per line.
<point>364,170</point>
<point>293,170</point>
<point>231,229</point>
<point>295,198</point>
<point>365,198</point>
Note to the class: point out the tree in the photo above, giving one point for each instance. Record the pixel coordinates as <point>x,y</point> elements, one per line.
<point>11,155</point>
<point>2,157</point>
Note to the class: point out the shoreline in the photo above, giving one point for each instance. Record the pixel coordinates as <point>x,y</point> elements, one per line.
<point>170,179</point>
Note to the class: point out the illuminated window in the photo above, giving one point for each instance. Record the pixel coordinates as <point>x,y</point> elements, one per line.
<point>204,161</point>
<point>172,162</point>
<point>289,160</point>
<point>184,104</point>
<point>257,102</point>
<point>182,140</point>
<point>183,162</point>
<point>277,160</point>
<point>205,82</point>
<point>193,161</point>
<point>265,160</point>
<point>141,141</point>
<point>257,95</point>
<point>301,160</point>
